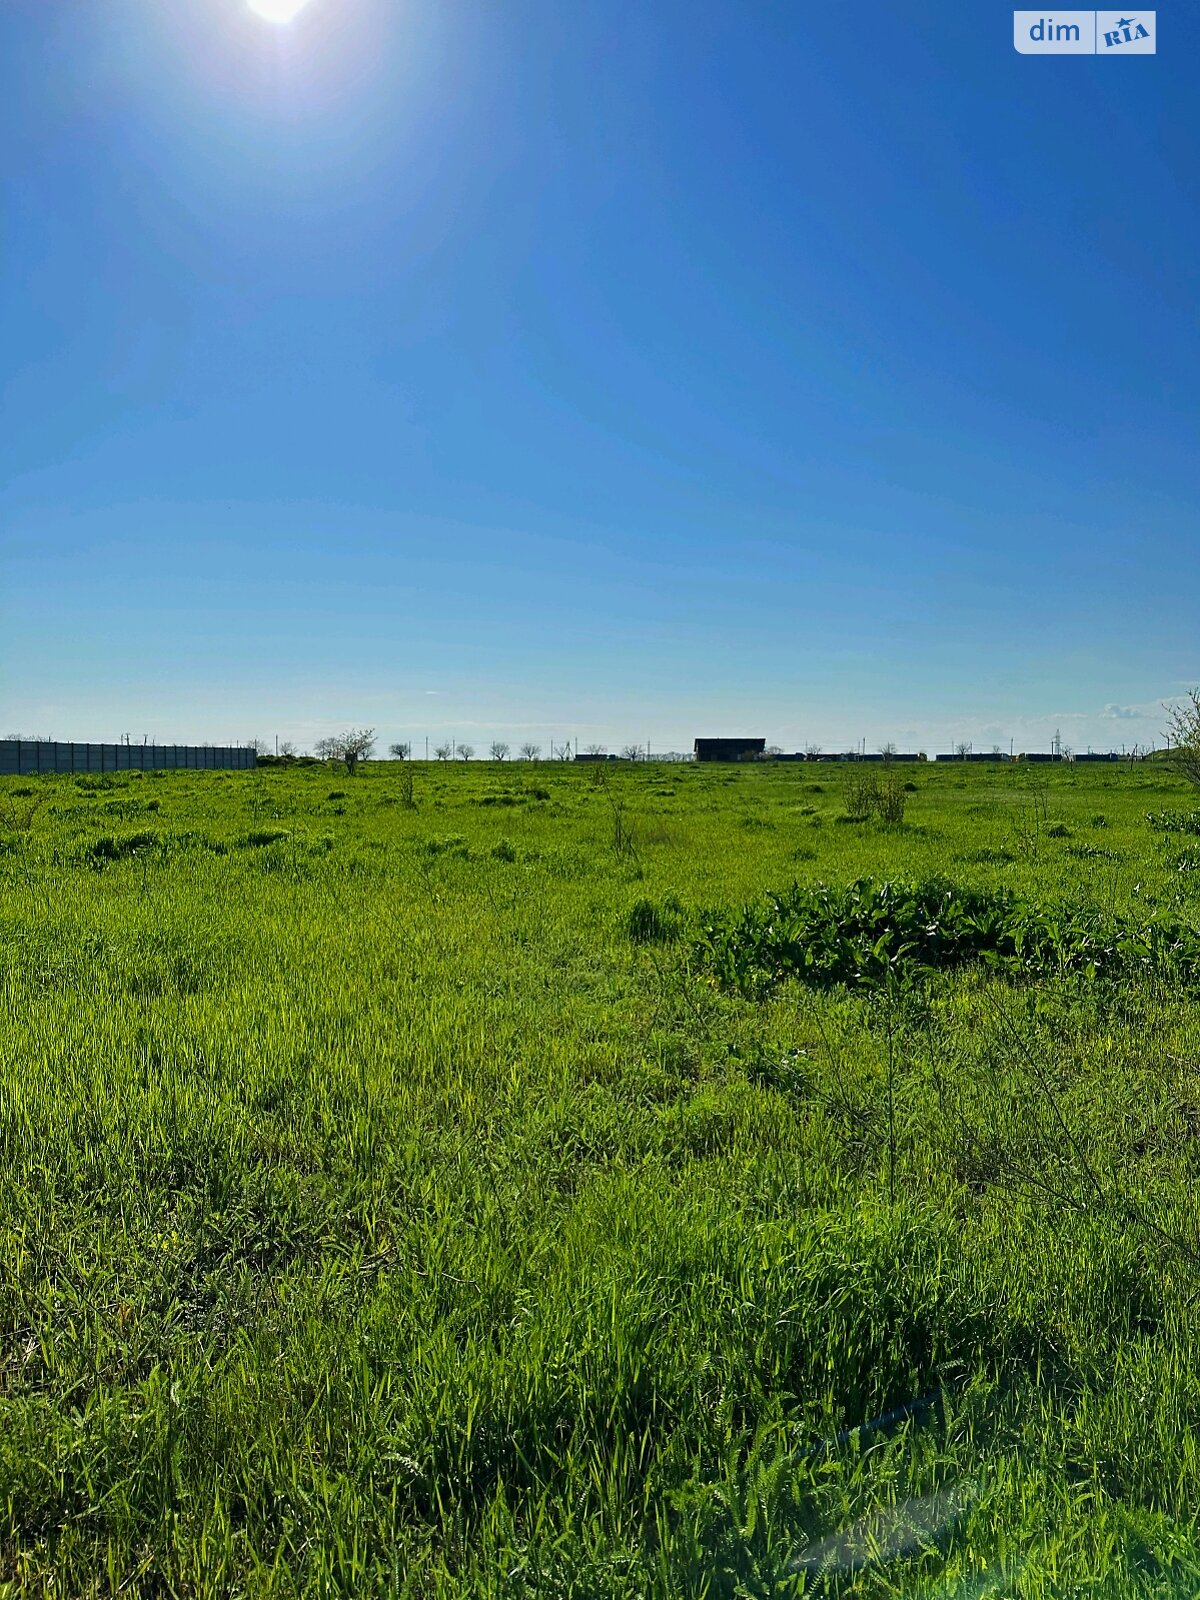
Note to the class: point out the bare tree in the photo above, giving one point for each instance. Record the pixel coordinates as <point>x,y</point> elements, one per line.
<point>465,752</point>
<point>562,752</point>
<point>287,749</point>
<point>499,750</point>
<point>962,749</point>
<point>593,749</point>
<point>530,752</point>
<point>1183,731</point>
<point>442,752</point>
<point>812,751</point>
<point>259,746</point>
<point>631,752</point>
<point>888,751</point>
<point>400,752</point>
<point>350,747</point>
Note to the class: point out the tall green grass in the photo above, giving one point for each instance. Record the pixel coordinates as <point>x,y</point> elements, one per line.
<point>392,1203</point>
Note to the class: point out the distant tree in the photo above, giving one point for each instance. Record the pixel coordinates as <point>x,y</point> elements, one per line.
<point>593,749</point>
<point>997,750</point>
<point>812,750</point>
<point>349,747</point>
<point>631,752</point>
<point>499,750</point>
<point>400,752</point>
<point>530,752</point>
<point>562,752</point>
<point>773,750</point>
<point>465,752</point>
<point>442,752</point>
<point>888,751</point>
<point>962,749</point>
<point>287,749</point>
<point>259,746</point>
<point>1183,733</point>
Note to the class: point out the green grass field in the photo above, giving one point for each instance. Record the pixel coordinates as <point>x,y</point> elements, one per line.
<point>397,1199</point>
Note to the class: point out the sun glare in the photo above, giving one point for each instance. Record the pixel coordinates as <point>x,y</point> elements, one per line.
<point>280,11</point>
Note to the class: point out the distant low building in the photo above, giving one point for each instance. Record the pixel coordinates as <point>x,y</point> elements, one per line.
<point>976,755</point>
<point>729,749</point>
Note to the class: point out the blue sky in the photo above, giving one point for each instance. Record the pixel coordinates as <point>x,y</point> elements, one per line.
<point>627,372</point>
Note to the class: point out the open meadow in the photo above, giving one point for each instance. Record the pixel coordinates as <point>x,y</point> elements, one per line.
<point>461,1179</point>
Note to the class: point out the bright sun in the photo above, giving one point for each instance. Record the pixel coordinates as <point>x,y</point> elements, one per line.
<point>281,11</point>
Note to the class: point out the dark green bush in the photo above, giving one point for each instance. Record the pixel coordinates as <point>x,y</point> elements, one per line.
<point>872,931</point>
<point>448,844</point>
<point>648,923</point>
<point>114,847</point>
<point>1174,821</point>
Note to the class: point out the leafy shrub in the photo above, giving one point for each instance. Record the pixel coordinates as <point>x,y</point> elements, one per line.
<point>1174,821</point>
<point>1058,830</point>
<point>504,850</point>
<point>871,931</point>
<point>263,836</point>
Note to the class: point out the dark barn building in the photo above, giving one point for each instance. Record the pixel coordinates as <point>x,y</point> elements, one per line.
<point>729,749</point>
